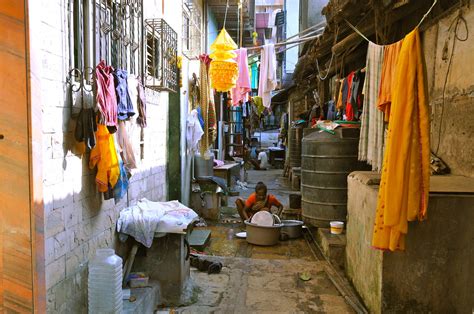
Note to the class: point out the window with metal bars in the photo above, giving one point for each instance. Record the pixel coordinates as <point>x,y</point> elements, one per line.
<point>192,29</point>
<point>110,30</point>
<point>119,29</point>
<point>81,60</point>
<point>161,68</point>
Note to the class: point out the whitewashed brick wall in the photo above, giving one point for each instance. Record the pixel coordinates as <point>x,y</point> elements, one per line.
<point>77,220</point>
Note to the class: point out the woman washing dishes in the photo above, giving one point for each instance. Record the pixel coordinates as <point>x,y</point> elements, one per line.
<point>257,201</point>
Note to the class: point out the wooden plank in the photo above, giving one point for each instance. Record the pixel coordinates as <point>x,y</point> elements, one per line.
<point>226,166</point>
<point>451,184</point>
<point>16,249</point>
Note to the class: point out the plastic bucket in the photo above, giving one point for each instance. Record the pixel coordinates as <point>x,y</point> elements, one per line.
<point>263,235</point>
<point>336,227</point>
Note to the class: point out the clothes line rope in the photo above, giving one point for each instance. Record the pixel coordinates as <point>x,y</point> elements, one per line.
<point>296,42</point>
<point>226,9</point>
<point>303,39</point>
<point>418,25</point>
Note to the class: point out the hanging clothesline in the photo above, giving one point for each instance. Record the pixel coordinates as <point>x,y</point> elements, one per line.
<point>417,26</point>
<point>288,42</point>
<point>277,52</point>
<point>303,37</point>
<point>283,43</point>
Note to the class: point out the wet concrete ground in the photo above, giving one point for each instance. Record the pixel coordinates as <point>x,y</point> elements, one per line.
<point>256,279</point>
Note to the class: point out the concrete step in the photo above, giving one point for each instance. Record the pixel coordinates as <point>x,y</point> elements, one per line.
<point>333,246</point>
<point>146,299</point>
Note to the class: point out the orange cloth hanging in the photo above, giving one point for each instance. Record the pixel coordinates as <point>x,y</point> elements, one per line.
<point>387,78</point>
<point>104,156</point>
<point>404,188</point>
<point>339,105</point>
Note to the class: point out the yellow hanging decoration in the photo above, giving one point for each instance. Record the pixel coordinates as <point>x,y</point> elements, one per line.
<point>223,70</point>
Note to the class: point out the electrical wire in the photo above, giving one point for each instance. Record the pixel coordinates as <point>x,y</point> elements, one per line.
<point>457,21</point>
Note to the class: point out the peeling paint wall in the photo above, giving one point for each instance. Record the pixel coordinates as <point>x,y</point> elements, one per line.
<point>452,104</point>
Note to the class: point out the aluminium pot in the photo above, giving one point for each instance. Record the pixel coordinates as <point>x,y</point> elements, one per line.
<point>263,235</point>
<point>292,229</point>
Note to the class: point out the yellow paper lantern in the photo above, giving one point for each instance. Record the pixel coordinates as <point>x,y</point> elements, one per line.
<point>223,70</point>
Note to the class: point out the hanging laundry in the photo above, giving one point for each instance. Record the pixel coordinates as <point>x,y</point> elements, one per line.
<point>404,187</point>
<point>194,92</point>
<point>125,147</point>
<point>141,120</point>
<point>339,105</point>
<point>106,96</point>
<point>194,131</point>
<point>242,87</point>
<point>371,141</point>
<point>331,111</point>
<point>104,156</point>
<point>223,70</point>
<point>346,97</point>
<point>244,109</point>
<point>254,75</point>
<point>200,117</point>
<point>206,99</point>
<point>356,94</point>
<point>121,186</point>
<point>268,79</point>
<point>389,68</point>
<point>211,118</point>
<point>86,127</point>
<point>132,83</point>
<point>237,117</point>
<point>259,105</point>
<point>124,103</point>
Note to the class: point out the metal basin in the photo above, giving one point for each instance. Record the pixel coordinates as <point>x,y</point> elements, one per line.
<point>292,229</point>
<point>263,235</point>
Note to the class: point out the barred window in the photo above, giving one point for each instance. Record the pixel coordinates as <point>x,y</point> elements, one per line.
<point>161,56</point>
<point>80,38</point>
<point>192,29</point>
<point>119,26</point>
<point>109,30</point>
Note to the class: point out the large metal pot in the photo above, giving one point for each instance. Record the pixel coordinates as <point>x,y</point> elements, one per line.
<point>292,229</point>
<point>263,235</point>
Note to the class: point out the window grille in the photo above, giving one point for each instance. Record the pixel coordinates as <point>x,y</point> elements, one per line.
<point>192,29</point>
<point>81,61</point>
<point>120,34</point>
<point>110,30</point>
<point>161,71</point>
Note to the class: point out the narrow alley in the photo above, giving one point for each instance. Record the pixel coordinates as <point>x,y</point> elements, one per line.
<point>263,278</point>
<point>236,156</point>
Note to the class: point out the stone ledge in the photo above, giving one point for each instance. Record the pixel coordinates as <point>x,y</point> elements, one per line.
<point>147,299</point>
<point>366,177</point>
<point>333,246</point>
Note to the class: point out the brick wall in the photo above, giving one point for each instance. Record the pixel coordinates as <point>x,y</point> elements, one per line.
<point>77,219</point>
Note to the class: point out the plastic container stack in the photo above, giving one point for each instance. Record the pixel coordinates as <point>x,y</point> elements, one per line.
<point>105,282</point>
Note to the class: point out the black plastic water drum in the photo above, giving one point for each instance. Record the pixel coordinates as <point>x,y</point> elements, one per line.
<point>327,159</point>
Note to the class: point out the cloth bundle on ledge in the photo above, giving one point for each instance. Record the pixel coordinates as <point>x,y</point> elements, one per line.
<point>146,218</point>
